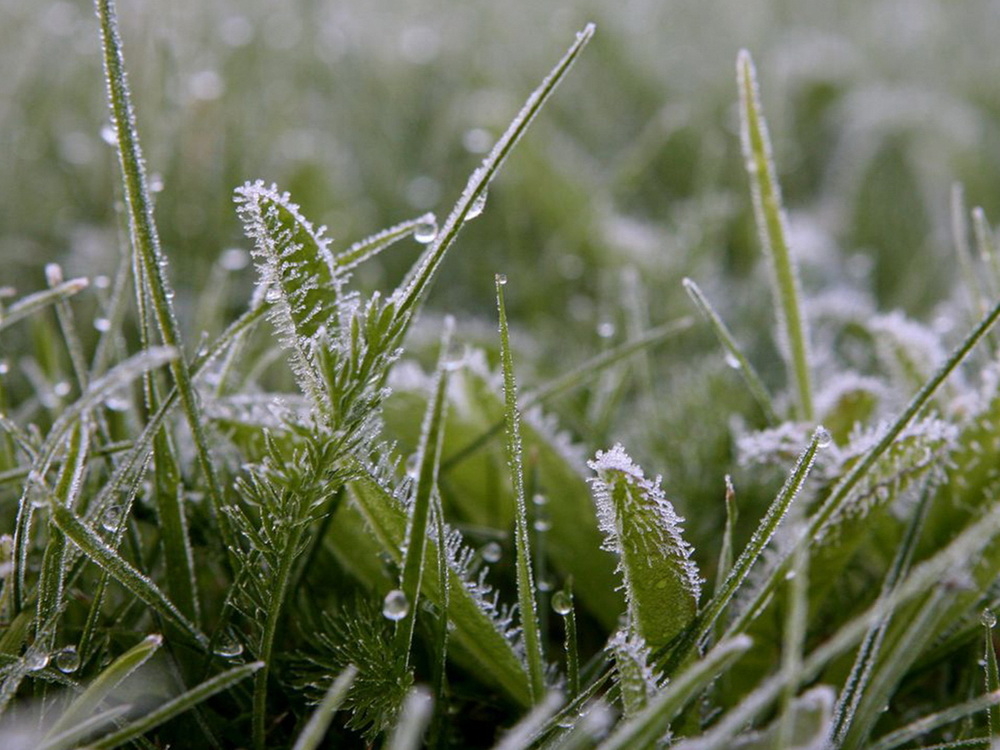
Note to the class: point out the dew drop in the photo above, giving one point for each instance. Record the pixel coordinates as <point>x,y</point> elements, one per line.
<point>67,660</point>
<point>102,324</point>
<point>155,183</point>
<point>234,259</point>
<point>4,367</point>
<point>732,361</point>
<point>109,134</point>
<point>790,575</point>
<point>426,229</point>
<point>112,517</point>
<point>562,604</point>
<point>272,295</point>
<point>35,661</point>
<point>228,647</point>
<point>502,279</point>
<point>823,437</point>
<point>988,618</point>
<point>477,206</point>
<point>542,524</point>
<point>540,500</point>
<point>395,606</point>
<point>491,552</point>
<point>606,329</point>
<point>61,389</point>
<point>546,583</point>
<point>102,282</point>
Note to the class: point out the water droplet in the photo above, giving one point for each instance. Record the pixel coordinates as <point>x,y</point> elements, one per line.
<point>562,603</point>
<point>426,229</point>
<point>35,661</point>
<point>477,140</point>
<point>790,575</point>
<point>272,295</point>
<point>4,367</point>
<point>542,524</point>
<point>546,583</point>
<point>228,647</point>
<point>540,500</point>
<point>395,606</point>
<point>102,282</point>
<point>501,279</point>
<point>61,389</point>
<point>112,517</point>
<point>102,324</point>
<point>234,259</point>
<point>412,468</point>
<point>491,552</point>
<point>988,618</point>
<point>606,329</point>
<point>68,660</point>
<point>116,404</point>
<point>477,206</point>
<point>823,437</point>
<point>732,361</point>
<point>155,183</point>
<point>109,134</point>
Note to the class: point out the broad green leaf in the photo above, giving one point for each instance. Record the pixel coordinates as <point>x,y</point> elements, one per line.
<point>641,528</point>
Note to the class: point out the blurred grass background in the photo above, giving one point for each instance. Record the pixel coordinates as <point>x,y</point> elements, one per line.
<point>373,112</point>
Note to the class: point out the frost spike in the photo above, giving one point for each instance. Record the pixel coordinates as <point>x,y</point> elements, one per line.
<point>662,584</point>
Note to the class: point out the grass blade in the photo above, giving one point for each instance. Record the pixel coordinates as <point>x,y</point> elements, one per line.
<point>313,732</point>
<point>147,254</point>
<point>177,706</point>
<point>771,225</point>
<point>408,295</point>
<point>424,230</point>
<point>85,704</point>
<point>733,351</point>
<point>923,726</point>
<point>428,461</point>
<point>522,539</point>
<point>40,300</point>
<point>415,716</point>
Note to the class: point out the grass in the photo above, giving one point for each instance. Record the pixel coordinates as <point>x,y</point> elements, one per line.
<point>296,505</point>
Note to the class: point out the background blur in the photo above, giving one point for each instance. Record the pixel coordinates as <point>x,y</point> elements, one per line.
<point>374,111</point>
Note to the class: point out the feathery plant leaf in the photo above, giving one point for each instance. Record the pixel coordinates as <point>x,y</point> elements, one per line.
<point>522,539</point>
<point>771,224</point>
<point>662,584</point>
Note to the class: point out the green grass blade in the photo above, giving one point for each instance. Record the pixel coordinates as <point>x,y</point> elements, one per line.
<point>792,645</point>
<point>923,726</point>
<point>523,734</point>
<point>408,296</point>
<point>147,254</point>
<point>756,386</point>
<point>662,584</point>
<point>74,736</point>
<point>315,729</point>
<point>176,707</point>
<point>771,225</point>
<point>762,536</point>
<point>415,716</point>
<point>40,300</point>
<point>647,727</point>
<point>423,229</point>
<point>428,461</point>
<point>522,540</point>
<point>989,621</point>
<point>113,675</point>
<point>110,561</point>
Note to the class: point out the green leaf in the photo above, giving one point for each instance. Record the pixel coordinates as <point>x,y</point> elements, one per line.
<point>771,224</point>
<point>297,270</point>
<point>662,584</point>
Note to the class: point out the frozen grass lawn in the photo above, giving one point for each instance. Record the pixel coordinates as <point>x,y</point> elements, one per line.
<point>724,477</point>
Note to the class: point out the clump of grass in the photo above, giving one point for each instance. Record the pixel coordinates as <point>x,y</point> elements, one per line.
<point>178,524</point>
